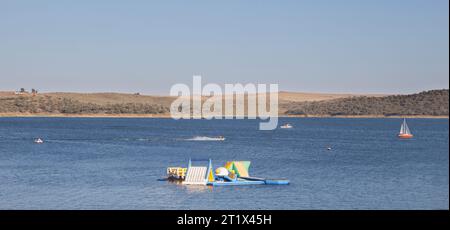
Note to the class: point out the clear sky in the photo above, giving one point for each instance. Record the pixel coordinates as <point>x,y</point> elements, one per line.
<point>358,46</point>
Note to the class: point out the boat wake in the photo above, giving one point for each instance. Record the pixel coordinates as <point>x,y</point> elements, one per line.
<point>204,138</point>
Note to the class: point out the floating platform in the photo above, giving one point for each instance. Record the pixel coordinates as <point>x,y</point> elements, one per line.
<point>277,181</point>
<point>238,182</point>
<point>233,173</point>
<point>250,182</point>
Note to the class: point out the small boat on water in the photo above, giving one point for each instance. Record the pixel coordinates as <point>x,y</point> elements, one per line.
<point>176,173</point>
<point>286,126</point>
<point>405,133</point>
<point>205,138</point>
<point>38,141</point>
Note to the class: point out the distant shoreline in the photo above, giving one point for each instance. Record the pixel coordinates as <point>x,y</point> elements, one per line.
<point>59,115</point>
<point>291,104</point>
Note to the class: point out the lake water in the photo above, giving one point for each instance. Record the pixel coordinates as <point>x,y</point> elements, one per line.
<point>99,163</point>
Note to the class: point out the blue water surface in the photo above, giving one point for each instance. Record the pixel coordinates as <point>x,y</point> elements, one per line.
<point>115,163</point>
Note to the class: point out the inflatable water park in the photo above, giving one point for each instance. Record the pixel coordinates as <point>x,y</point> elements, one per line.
<point>232,173</point>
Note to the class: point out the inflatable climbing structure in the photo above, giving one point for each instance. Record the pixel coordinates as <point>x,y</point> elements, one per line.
<point>232,173</point>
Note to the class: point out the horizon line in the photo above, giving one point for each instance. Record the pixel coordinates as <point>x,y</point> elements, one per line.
<point>167,95</point>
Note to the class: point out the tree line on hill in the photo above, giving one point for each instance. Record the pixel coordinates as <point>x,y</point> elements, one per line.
<point>429,103</point>
<point>49,104</point>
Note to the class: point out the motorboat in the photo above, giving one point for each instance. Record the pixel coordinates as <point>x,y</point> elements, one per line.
<point>38,141</point>
<point>286,126</point>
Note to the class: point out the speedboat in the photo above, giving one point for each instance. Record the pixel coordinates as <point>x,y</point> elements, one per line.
<point>286,126</point>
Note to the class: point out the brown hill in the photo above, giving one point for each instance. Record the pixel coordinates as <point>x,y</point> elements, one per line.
<point>431,103</point>
<point>428,103</point>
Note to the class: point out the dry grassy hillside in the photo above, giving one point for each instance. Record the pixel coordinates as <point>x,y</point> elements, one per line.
<point>112,98</point>
<point>428,103</point>
<point>290,103</point>
<point>301,97</point>
<point>83,103</point>
<point>116,103</point>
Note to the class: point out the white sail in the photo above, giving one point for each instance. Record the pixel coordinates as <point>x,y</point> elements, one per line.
<point>407,128</point>
<point>404,129</point>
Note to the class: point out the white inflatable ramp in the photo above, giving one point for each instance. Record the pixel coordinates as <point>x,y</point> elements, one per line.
<point>196,175</point>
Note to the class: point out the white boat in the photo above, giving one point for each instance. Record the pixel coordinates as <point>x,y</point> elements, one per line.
<point>286,126</point>
<point>404,131</point>
<point>38,141</point>
<point>204,138</point>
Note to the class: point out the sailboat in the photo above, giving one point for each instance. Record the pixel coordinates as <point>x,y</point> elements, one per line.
<point>404,130</point>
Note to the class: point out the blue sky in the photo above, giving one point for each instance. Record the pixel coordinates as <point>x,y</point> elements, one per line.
<point>370,46</point>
